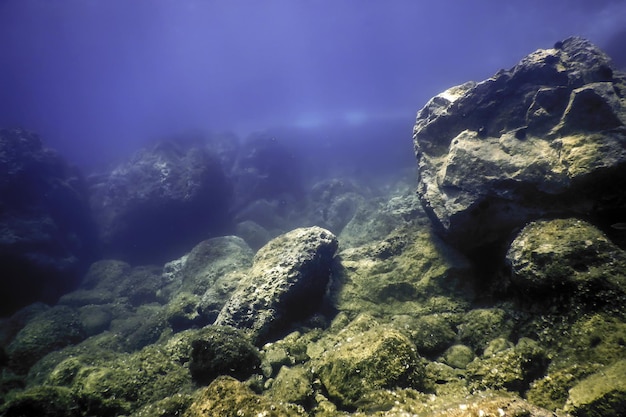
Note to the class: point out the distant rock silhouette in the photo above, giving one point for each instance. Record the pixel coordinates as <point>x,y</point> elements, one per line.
<point>161,203</point>
<point>543,139</point>
<point>47,238</point>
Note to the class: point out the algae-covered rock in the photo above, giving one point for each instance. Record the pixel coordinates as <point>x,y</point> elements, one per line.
<point>542,139</point>
<point>48,331</point>
<point>512,369</point>
<point>174,405</point>
<point>432,334</point>
<point>182,311</point>
<point>379,358</point>
<point>410,272</point>
<point>458,356</point>
<point>208,261</point>
<point>42,401</point>
<point>121,383</point>
<point>289,351</point>
<point>286,282</point>
<point>227,397</point>
<point>551,391</point>
<point>479,326</point>
<point>568,259</point>
<point>292,385</point>
<point>602,394</point>
<point>222,350</point>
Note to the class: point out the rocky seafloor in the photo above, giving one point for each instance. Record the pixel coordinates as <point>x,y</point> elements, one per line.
<point>497,289</point>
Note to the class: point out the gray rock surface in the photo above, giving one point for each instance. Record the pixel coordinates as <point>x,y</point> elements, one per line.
<point>544,138</point>
<point>286,282</point>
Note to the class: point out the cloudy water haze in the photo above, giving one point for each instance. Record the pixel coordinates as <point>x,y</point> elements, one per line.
<point>96,79</point>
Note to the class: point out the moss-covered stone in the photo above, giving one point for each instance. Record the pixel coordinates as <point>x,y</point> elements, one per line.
<point>480,326</point>
<point>511,369</point>
<point>140,327</point>
<point>209,260</point>
<point>48,331</point>
<point>602,394</point>
<point>174,405</point>
<point>227,397</point>
<point>376,359</point>
<point>401,274</point>
<point>594,338</point>
<point>95,318</point>
<point>292,385</point>
<point>222,350</point>
<point>182,311</point>
<point>551,391</point>
<point>289,351</point>
<point>458,356</point>
<point>105,275</point>
<point>121,383</point>
<point>42,401</point>
<point>568,260</point>
<point>431,334</point>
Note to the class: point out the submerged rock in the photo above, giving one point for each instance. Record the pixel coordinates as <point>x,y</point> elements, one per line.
<point>50,330</point>
<point>380,358</point>
<point>568,259</point>
<point>228,397</point>
<point>164,200</point>
<point>287,281</point>
<point>47,236</point>
<point>602,394</point>
<point>544,138</point>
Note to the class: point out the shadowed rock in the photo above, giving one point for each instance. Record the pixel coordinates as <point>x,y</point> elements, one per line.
<point>166,199</point>
<point>47,237</point>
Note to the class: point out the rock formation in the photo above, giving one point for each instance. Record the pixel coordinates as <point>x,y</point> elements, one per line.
<point>286,282</point>
<point>47,237</point>
<point>162,202</point>
<point>543,139</point>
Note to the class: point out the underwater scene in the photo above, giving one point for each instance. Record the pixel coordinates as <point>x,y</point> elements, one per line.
<point>322,209</point>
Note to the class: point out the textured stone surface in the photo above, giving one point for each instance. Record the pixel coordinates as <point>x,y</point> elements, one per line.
<point>286,282</point>
<point>228,397</point>
<point>544,138</point>
<point>48,331</point>
<point>568,258</point>
<point>602,394</point>
<point>47,237</point>
<point>379,358</point>
<point>175,192</point>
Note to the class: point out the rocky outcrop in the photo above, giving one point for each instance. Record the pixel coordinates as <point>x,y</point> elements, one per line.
<point>160,203</point>
<point>379,358</point>
<point>543,139</point>
<point>287,281</point>
<point>568,259</point>
<point>47,237</point>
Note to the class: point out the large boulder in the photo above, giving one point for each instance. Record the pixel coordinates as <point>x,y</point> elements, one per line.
<point>160,203</point>
<point>47,237</point>
<point>287,281</point>
<point>543,139</point>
